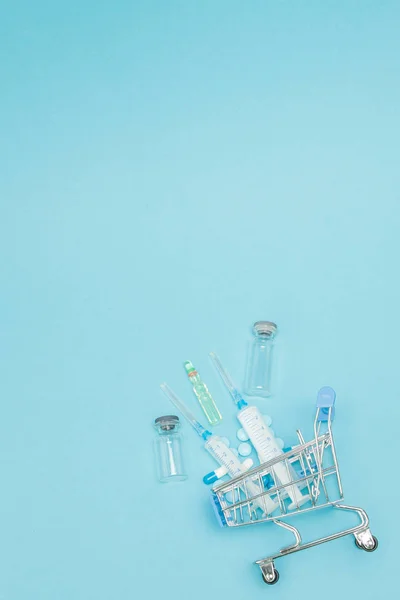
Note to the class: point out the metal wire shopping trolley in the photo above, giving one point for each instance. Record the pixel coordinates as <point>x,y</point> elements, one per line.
<point>312,468</point>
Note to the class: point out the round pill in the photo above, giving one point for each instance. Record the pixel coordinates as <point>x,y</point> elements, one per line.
<point>242,435</point>
<point>244,449</point>
<point>267,420</point>
<point>228,497</point>
<point>225,441</point>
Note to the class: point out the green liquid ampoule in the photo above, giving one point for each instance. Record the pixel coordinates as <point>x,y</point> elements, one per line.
<point>204,397</point>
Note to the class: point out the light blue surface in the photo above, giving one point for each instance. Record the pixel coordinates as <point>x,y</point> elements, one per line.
<point>170,173</point>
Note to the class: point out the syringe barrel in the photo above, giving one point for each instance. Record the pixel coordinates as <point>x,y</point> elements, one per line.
<point>225,457</point>
<point>267,449</point>
<point>259,433</point>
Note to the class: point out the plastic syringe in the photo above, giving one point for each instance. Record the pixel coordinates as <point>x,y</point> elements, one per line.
<point>261,436</point>
<point>220,452</point>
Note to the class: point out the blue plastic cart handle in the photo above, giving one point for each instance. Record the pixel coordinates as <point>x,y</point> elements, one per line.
<point>325,400</point>
<point>326,397</point>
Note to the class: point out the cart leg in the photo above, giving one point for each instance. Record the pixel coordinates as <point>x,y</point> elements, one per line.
<point>295,532</point>
<point>269,573</point>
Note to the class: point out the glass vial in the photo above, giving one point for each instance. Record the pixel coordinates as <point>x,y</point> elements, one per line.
<point>168,449</point>
<point>258,375</point>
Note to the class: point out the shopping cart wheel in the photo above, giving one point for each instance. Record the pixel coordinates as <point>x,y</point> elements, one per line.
<point>362,547</point>
<point>271,581</point>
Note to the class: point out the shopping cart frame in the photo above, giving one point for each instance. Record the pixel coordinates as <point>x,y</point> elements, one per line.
<point>317,465</point>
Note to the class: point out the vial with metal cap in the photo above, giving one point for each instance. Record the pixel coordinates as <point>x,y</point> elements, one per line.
<point>258,375</point>
<point>168,446</point>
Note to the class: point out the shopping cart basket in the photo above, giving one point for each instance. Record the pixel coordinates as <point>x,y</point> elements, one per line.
<point>313,467</point>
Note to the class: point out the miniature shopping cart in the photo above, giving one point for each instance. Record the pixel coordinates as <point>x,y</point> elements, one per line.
<point>313,468</point>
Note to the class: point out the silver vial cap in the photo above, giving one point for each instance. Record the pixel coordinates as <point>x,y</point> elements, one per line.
<point>267,328</point>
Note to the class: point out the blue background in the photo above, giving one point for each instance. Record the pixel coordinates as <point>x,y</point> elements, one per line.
<point>171,172</point>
